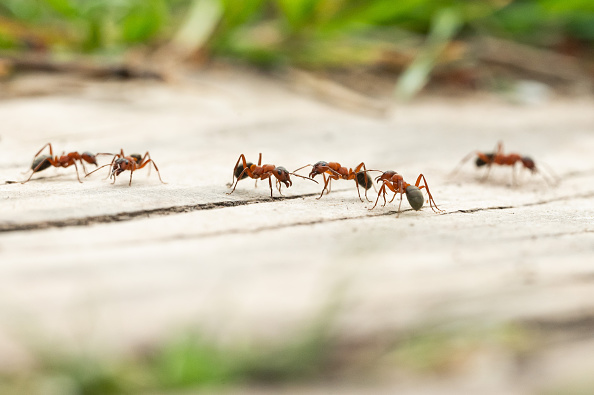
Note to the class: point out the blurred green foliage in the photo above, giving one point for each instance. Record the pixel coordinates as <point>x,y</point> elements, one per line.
<point>295,31</point>
<point>413,36</point>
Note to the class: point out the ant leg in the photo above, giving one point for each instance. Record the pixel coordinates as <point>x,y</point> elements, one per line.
<point>146,155</point>
<point>246,170</point>
<point>484,178</point>
<point>397,189</point>
<point>357,185</point>
<point>270,183</point>
<point>326,180</point>
<point>241,157</point>
<point>279,185</point>
<point>27,180</point>
<point>82,163</point>
<point>399,205</point>
<point>236,182</point>
<point>156,168</point>
<point>36,155</point>
<point>432,203</point>
<point>42,148</point>
<point>50,160</point>
<point>382,190</point>
<point>131,172</point>
<point>499,148</point>
<point>76,169</point>
<point>393,197</point>
<point>357,170</point>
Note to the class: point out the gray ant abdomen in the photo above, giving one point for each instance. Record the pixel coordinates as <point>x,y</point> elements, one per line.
<point>364,180</point>
<point>43,160</point>
<point>415,197</point>
<point>239,170</point>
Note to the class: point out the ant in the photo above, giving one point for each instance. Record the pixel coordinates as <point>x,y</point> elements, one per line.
<point>262,172</point>
<point>65,160</point>
<point>499,158</point>
<point>395,182</point>
<point>132,162</point>
<point>335,171</point>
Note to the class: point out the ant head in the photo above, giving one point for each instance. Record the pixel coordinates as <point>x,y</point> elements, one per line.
<point>119,166</point>
<point>239,169</point>
<point>364,179</point>
<point>387,175</point>
<point>529,164</point>
<point>282,175</point>
<point>137,157</point>
<point>480,162</point>
<point>41,161</point>
<point>89,158</point>
<point>319,168</point>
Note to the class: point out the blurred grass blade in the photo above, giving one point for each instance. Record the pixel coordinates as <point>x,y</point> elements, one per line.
<point>446,23</point>
<point>202,19</point>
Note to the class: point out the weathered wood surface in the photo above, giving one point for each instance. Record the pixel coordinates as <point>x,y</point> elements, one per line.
<point>107,267</point>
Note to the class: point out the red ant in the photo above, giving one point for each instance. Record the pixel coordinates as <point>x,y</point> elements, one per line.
<point>259,172</point>
<point>395,182</point>
<point>334,171</point>
<point>133,162</point>
<point>499,158</point>
<point>65,160</point>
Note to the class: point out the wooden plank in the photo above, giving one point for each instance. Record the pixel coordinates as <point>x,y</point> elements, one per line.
<point>109,267</point>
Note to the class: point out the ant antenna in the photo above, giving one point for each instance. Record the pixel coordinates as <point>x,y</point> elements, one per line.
<point>302,167</point>
<point>100,167</point>
<point>464,160</point>
<point>551,178</point>
<point>307,178</point>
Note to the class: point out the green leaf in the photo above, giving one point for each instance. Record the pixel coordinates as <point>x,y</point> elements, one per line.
<point>143,21</point>
<point>446,23</point>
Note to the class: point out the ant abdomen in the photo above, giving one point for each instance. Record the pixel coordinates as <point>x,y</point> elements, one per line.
<point>364,179</point>
<point>41,163</point>
<point>415,197</point>
<point>480,162</point>
<point>239,170</point>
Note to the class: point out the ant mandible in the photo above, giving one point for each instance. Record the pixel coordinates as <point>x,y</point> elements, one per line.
<point>262,172</point>
<point>395,182</point>
<point>499,158</point>
<point>335,171</point>
<point>65,160</point>
<point>132,162</point>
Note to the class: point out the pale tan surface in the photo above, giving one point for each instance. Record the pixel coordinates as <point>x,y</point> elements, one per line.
<point>498,254</point>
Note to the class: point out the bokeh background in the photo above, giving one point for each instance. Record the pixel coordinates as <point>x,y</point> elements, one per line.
<point>414,43</point>
<point>396,49</point>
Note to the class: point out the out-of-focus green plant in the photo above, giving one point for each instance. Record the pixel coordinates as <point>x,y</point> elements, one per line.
<point>283,26</point>
<point>304,33</point>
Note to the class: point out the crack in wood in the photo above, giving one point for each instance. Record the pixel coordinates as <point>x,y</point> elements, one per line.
<point>128,216</point>
<point>539,203</point>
